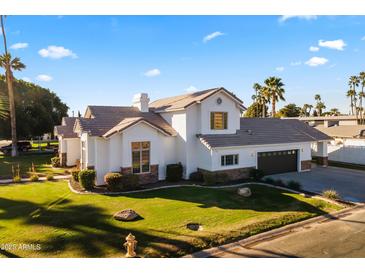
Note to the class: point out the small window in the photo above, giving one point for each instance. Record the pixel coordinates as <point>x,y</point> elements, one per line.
<point>140,157</point>
<point>218,120</point>
<point>229,160</point>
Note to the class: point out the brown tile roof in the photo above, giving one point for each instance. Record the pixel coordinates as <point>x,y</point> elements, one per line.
<point>66,129</point>
<point>182,101</point>
<point>346,131</point>
<point>263,131</point>
<point>109,120</point>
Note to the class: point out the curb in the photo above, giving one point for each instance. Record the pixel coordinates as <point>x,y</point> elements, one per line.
<point>272,234</point>
<point>25,180</point>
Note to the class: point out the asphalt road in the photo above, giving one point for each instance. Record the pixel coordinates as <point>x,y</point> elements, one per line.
<point>341,238</point>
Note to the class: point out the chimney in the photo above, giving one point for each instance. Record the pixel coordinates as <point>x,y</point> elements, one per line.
<point>141,101</point>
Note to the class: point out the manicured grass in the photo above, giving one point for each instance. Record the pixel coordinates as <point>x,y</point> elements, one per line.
<point>73,225</point>
<point>42,163</point>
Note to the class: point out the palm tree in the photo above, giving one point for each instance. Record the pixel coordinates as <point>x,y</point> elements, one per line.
<point>353,83</point>
<point>257,87</point>
<point>361,96</point>
<point>304,111</point>
<point>310,109</point>
<point>320,106</point>
<point>4,108</point>
<point>317,97</point>
<point>351,93</point>
<point>334,111</point>
<point>275,90</point>
<point>10,64</point>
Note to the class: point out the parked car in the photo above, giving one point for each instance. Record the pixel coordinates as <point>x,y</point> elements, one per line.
<point>21,145</point>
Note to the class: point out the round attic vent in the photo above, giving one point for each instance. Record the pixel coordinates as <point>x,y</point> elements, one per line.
<point>219,100</point>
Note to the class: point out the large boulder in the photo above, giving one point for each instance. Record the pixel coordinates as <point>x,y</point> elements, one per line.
<point>244,191</point>
<point>126,215</point>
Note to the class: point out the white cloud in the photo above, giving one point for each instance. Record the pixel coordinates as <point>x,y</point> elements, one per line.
<point>152,73</point>
<point>26,79</point>
<point>316,61</point>
<point>314,49</point>
<point>284,18</point>
<point>44,78</point>
<point>56,52</point>
<point>363,39</point>
<point>338,44</point>
<point>296,63</point>
<point>279,68</point>
<point>19,46</point>
<point>212,36</point>
<point>191,89</point>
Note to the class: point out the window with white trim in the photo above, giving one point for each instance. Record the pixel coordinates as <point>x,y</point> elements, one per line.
<point>140,157</point>
<point>229,160</point>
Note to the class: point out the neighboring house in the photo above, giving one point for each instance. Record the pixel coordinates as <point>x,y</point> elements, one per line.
<point>69,142</point>
<point>202,131</point>
<point>348,144</point>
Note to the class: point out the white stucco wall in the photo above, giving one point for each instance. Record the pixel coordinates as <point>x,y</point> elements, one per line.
<point>73,150</point>
<point>228,105</point>
<point>319,149</point>
<point>351,151</point>
<point>248,155</point>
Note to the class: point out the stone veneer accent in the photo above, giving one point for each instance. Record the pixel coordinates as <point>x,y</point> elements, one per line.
<point>233,174</point>
<point>63,159</point>
<point>305,165</point>
<point>323,161</point>
<point>144,178</point>
<point>91,167</point>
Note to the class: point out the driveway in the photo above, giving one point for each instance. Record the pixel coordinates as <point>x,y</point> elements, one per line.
<point>339,238</point>
<point>349,183</point>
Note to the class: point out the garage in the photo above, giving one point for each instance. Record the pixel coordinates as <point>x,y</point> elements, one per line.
<point>273,162</point>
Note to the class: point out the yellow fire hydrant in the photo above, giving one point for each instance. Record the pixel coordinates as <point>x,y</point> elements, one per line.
<point>130,245</point>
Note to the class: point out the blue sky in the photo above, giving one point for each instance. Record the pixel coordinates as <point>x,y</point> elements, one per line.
<point>104,60</point>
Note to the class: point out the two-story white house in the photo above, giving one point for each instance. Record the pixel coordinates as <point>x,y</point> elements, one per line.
<point>202,131</point>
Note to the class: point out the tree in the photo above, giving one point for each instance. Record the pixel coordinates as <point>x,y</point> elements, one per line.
<point>256,110</point>
<point>351,93</point>
<point>4,108</point>
<point>290,110</point>
<point>320,106</point>
<point>306,109</point>
<point>275,90</point>
<point>10,64</point>
<point>353,83</point>
<point>38,110</point>
<point>361,96</point>
<point>334,111</point>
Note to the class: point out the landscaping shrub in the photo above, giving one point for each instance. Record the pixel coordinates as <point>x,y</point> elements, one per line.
<point>278,182</point>
<point>75,174</point>
<point>174,172</point>
<point>196,176</point>
<point>331,194</point>
<point>256,174</point>
<point>17,179</point>
<point>269,180</point>
<point>34,178</point>
<point>87,178</point>
<point>49,177</point>
<point>55,161</point>
<point>113,181</point>
<point>294,185</point>
<point>130,181</point>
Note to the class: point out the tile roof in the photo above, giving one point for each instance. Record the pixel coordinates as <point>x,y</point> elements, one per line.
<point>108,120</point>
<point>182,101</point>
<point>66,129</point>
<point>263,131</point>
<point>324,118</point>
<point>349,131</point>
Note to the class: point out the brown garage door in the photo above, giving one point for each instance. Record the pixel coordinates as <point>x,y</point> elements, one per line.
<point>273,162</point>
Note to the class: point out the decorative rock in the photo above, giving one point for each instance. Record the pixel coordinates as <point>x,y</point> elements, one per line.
<point>244,191</point>
<point>126,215</point>
<point>194,226</point>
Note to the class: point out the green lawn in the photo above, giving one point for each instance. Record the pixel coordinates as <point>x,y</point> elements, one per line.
<point>42,163</point>
<point>72,225</point>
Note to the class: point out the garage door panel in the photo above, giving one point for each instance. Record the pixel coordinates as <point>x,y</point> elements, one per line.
<point>273,162</point>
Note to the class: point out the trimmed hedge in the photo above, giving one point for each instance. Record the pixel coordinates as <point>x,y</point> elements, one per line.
<point>87,178</point>
<point>174,172</point>
<point>55,161</point>
<point>294,185</point>
<point>113,181</point>
<point>196,176</point>
<point>256,174</point>
<point>75,174</point>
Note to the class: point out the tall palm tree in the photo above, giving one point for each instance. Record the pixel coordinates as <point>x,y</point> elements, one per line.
<point>351,93</point>
<point>309,109</point>
<point>4,107</point>
<point>275,88</point>
<point>361,96</point>
<point>9,65</point>
<point>334,111</point>
<point>304,111</point>
<point>317,97</point>
<point>353,83</point>
<point>257,87</point>
<point>320,106</point>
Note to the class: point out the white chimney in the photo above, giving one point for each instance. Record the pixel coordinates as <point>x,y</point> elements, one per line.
<point>141,101</point>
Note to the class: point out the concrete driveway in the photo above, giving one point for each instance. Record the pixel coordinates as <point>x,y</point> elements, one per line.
<point>349,183</point>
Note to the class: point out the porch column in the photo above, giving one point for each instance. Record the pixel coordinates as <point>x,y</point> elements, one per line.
<point>322,154</point>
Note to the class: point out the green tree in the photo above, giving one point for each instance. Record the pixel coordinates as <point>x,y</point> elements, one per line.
<point>362,96</point>
<point>275,89</point>
<point>290,110</point>
<point>4,108</point>
<point>320,106</point>
<point>334,111</point>
<point>9,65</point>
<point>256,110</point>
<point>38,110</point>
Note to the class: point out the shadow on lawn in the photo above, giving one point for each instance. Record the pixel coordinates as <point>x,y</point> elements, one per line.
<point>85,229</point>
<point>263,199</point>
